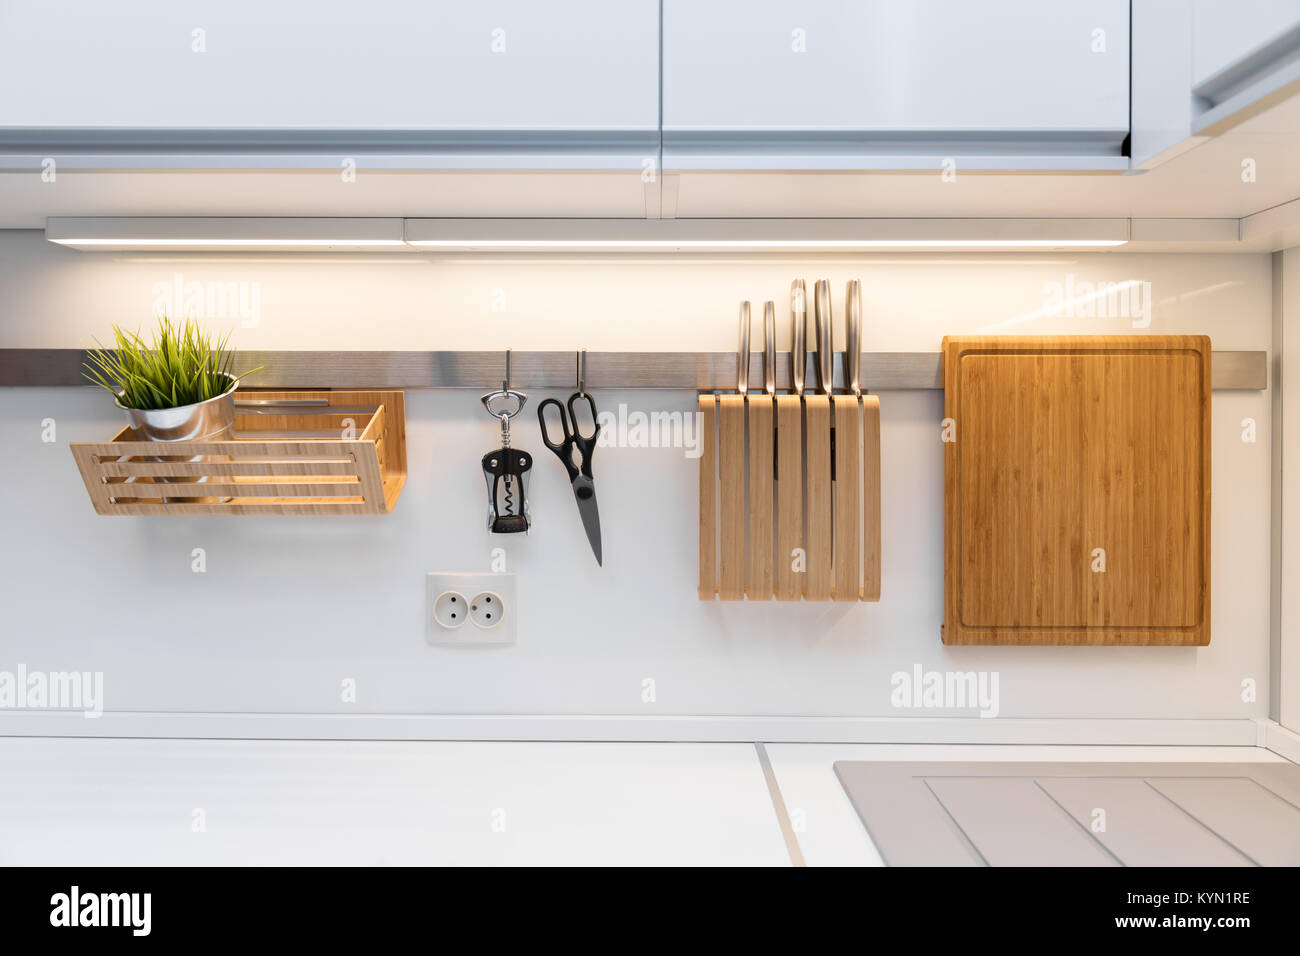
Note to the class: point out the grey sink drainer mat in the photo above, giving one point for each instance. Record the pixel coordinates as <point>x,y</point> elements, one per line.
<point>959,813</point>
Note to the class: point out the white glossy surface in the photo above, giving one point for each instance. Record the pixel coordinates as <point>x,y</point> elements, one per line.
<point>383,64</point>
<point>134,802</point>
<point>942,65</point>
<point>1288,664</point>
<point>78,802</point>
<point>1224,32</point>
<point>323,600</point>
<point>1161,110</point>
<point>1205,181</point>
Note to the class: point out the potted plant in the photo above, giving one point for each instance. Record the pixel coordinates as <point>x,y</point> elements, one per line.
<point>179,387</point>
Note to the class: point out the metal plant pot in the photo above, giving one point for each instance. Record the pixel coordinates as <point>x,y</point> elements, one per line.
<point>211,420</point>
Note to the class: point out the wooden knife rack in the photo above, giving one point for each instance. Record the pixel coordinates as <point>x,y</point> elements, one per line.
<point>786,512</point>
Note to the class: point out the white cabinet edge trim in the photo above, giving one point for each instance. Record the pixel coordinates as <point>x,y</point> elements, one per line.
<point>912,730</point>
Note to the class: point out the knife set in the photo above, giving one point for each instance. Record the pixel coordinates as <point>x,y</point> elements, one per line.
<point>790,483</point>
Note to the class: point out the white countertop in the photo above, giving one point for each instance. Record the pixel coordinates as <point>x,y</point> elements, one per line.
<point>103,802</point>
<point>85,802</point>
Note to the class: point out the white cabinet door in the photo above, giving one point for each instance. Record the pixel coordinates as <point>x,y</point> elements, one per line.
<point>823,82</point>
<point>1226,32</point>
<point>564,73</point>
<point>1242,52</point>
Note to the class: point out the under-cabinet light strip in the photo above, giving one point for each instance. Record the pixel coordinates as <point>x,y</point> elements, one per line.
<point>633,244</point>
<point>233,243</point>
<point>471,235</point>
<point>470,244</point>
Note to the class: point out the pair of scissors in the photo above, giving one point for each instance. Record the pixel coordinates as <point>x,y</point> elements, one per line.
<point>584,488</point>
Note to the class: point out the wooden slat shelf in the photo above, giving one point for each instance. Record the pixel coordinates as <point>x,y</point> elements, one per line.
<point>312,470</point>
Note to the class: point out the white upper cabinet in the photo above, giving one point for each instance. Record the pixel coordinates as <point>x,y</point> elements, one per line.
<point>1200,67</point>
<point>1227,32</point>
<point>557,79</point>
<point>1242,52</point>
<point>895,83</point>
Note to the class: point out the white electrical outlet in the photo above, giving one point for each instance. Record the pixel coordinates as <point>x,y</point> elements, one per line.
<point>485,610</point>
<point>450,610</point>
<point>470,608</point>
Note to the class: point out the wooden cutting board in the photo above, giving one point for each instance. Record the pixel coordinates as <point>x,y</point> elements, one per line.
<point>1077,489</point>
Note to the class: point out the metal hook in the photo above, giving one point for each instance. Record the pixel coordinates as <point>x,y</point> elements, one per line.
<point>505,382</point>
<point>582,373</point>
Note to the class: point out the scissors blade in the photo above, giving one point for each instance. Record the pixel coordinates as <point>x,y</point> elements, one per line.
<point>584,493</point>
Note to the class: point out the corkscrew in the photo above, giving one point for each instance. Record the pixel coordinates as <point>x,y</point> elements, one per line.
<point>505,469</point>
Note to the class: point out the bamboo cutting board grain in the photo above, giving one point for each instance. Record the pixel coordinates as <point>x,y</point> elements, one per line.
<point>758,583</point>
<point>1077,491</point>
<point>789,495</point>
<point>817,497</point>
<point>846,571</point>
<point>708,497</point>
<point>871,513</point>
<point>731,492</point>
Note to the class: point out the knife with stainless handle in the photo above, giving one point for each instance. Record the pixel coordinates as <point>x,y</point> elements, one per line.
<point>825,366</point>
<point>769,371</point>
<point>799,335</point>
<point>853,337</point>
<point>769,348</point>
<point>742,351</point>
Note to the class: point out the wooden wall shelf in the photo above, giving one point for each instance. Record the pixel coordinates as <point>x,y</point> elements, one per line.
<point>308,453</point>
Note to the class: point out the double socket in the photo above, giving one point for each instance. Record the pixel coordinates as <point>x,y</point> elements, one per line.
<point>470,608</point>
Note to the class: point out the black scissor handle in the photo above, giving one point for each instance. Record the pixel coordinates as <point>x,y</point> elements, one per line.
<point>563,449</point>
<point>586,443</point>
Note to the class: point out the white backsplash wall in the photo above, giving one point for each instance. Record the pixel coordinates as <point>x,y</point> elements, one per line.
<point>289,608</point>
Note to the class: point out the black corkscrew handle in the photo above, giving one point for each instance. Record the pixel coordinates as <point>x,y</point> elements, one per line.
<point>505,471</point>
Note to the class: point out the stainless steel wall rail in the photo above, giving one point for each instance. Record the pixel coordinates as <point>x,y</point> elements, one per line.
<point>881,371</point>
